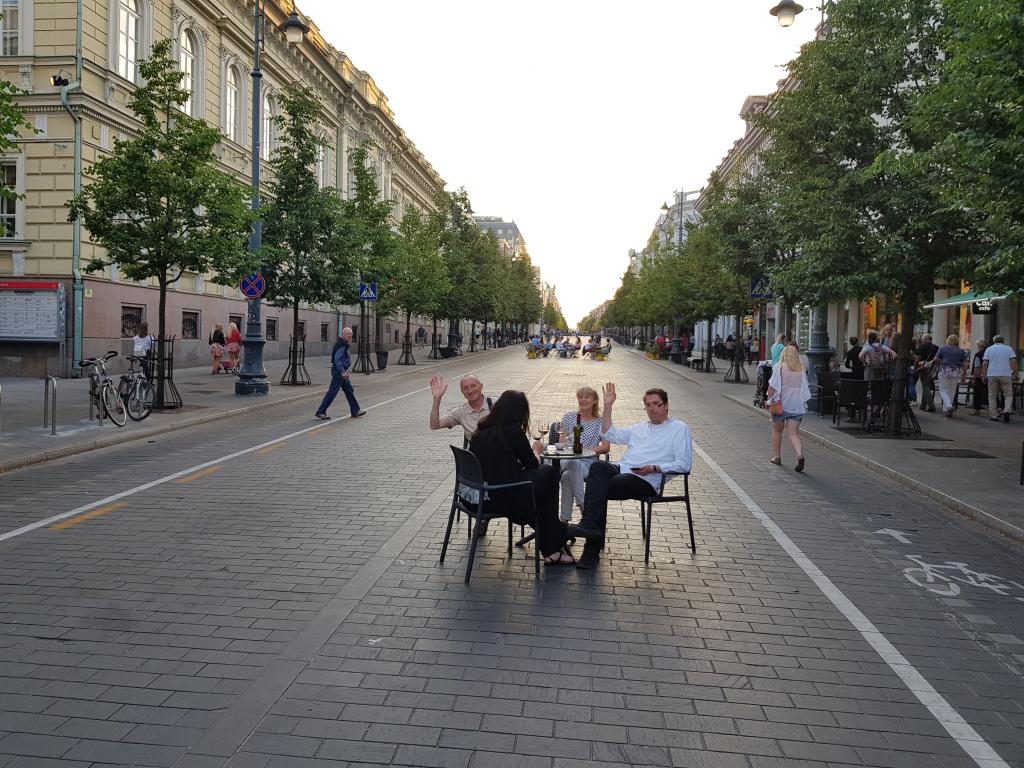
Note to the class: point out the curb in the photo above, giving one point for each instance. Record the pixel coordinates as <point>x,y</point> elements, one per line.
<point>952,503</point>
<point>128,437</point>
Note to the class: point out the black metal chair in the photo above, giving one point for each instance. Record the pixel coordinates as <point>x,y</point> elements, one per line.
<point>879,397</point>
<point>853,395</point>
<point>468,475</point>
<point>647,509</point>
<point>828,387</point>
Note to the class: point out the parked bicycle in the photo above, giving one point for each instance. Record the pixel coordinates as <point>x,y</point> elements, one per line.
<point>135,389</point>
<point>102,391</point>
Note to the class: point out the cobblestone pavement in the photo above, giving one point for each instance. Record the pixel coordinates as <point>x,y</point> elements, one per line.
<point>226,597</point>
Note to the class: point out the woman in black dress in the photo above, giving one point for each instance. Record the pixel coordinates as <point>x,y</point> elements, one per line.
<point>503,449</point>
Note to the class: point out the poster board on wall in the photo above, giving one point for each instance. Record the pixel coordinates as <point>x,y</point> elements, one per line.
<point>32,310</point>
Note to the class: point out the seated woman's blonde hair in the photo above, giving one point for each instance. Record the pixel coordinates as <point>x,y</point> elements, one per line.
<point>791,357</point>
<point>583,392</point>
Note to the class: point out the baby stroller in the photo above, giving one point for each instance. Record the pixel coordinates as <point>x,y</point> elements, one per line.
<point>764,375</point>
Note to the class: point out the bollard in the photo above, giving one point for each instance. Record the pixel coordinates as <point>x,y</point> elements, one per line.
<point>50,404</point>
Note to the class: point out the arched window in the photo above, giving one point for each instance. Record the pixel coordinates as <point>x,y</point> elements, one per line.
<point>10,27</point>
<point>187,65</point>
<point>231,105</point>
<point>267,139</point>
<point>128,26</point>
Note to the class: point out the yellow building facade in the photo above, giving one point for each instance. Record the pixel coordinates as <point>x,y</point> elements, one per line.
<point>77,63</point>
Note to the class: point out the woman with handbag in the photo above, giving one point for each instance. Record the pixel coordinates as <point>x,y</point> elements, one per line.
<point>216,342</point>
<point>788,393</point>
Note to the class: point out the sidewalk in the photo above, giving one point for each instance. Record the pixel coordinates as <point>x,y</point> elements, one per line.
<point>23,441</point>
<point>983,487</point>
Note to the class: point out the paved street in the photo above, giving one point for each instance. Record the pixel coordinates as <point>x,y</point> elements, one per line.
<point>264,590</point>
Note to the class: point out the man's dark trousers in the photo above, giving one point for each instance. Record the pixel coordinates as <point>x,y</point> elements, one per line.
<point>604,483</point>
<point>332,392</point>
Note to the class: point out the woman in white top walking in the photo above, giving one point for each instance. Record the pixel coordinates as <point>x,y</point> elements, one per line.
<point>788,387</point>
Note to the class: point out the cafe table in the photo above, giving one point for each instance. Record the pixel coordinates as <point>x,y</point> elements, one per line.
<point>556,456</point>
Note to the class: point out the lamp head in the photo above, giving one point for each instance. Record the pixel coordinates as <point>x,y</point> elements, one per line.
<point>664,207</point>
<point>786,12</point>
<point>294,29</point>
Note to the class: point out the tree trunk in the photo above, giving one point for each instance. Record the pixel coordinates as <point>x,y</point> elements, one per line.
<point>295,344</point>
<point>899,384</point>
<point>161,342</point>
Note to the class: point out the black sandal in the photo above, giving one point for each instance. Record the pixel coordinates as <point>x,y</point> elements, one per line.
<point>564,558</point>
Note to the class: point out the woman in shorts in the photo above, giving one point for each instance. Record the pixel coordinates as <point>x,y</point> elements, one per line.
<point>788,387</point>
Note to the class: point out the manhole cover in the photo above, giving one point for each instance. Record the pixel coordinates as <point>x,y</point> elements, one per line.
<point>955,453</point>
<point>878,435</point>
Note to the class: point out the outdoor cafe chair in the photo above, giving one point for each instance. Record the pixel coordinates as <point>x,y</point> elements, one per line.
<point>647,509</point>
<point>853,395</point>
<point>469,476</point>
<point>828,387</point>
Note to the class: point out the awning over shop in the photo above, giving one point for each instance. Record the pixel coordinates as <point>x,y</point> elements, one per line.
<point>966,298</point>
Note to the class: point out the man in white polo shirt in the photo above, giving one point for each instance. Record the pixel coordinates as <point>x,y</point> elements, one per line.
<point>466,415</point>
<point>1000,369</point>
<point>653,447</point>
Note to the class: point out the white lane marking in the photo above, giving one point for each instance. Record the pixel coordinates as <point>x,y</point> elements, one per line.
<point>160,481</point>
<point>969,739</point>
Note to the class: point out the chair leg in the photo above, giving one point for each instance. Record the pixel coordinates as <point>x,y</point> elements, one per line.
<point>448,531</point>
<point>510,539</point>
<point>689,513</point>
<point>472,553</point>
<point>643,519</point>
<point>647,534</point>
<point>536,548</point>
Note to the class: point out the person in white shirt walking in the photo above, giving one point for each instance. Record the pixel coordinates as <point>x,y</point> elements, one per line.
<point>788,388</point>
<point>1000,369</point>
<point>653,447</point>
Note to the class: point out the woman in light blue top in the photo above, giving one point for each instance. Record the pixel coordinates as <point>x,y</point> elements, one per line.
<point>777,347</point>
<point>788,385</point>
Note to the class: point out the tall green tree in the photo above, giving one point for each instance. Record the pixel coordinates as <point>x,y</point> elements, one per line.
<point>459,236</point>
<point>974,113</point>
<point>420,275</point>
<point>863,216</point>
<point>304,247</point>
<point>157,203</point>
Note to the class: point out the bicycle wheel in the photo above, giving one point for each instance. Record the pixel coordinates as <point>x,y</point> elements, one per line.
<point>113,404</point>
<point>140,401</point>
<point>933,582</point>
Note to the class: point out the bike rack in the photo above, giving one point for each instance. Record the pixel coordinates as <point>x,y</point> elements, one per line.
<point>50,404</point>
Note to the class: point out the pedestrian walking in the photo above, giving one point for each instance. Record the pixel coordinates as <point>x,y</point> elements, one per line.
<point>216,342</point>
<point>234,345</point>
<point>952,362</point>
<point>788,393</point>
<point>341,361</point>
<point>421,335</point>
<point>875,357</point>
<point>979,390</point>
<point>142,347</point>
<point>1000,370</point>
<point>925,367</point>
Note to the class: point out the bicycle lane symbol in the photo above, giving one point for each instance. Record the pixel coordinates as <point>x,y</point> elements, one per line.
<point>945,579</point>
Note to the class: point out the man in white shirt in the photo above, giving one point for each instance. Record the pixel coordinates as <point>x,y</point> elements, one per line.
<point>1000,370</point>
<point>653,447</point>
<point>468,414</point>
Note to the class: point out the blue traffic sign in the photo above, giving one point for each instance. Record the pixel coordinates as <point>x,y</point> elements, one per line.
<point>367,291</point>
<point>759,288</point>
<point>253,285</point>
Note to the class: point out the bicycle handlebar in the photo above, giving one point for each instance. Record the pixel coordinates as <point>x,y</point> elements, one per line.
<point>94,360</point>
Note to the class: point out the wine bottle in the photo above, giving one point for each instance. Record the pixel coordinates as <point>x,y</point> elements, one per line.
<point>577,434</point>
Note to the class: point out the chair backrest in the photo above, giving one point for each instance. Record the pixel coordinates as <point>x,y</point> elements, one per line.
<point>467,467</point>
<point>853,392</point>
<point>881,391</point>
<point>829,382</point>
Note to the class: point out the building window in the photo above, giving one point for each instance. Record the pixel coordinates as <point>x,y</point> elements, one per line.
<point>301,330</point>
<point>231,94</point>
<point>237,320</point>
<point>267,140</point>
<point>187,65</point>
<point>320,165</point>
<point>189,325</point>
<point>128,25</point>
<point>271,333</point>
<point>8,205</point>
<point>9,27</point>
<point>323,331</point>
<point>396,337</point>
<point>131,319</point>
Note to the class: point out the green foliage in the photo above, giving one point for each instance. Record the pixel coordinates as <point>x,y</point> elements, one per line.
<point>12,122</point>
<point>158,204</point>
<point>974,114</point>
<point>420,275</point>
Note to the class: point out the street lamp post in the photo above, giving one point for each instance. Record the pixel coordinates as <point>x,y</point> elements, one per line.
<point>252,378</point>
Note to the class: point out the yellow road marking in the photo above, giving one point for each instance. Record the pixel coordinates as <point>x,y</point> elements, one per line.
<point>87,516</point>
<point>269,448</point>
<point>201,473</point>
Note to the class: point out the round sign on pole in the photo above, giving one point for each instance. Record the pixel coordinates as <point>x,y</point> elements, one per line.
<point>253,285</point>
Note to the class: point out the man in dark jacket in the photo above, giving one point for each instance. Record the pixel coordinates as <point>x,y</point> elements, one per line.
<point>924,360</point>
<point>341,361</point>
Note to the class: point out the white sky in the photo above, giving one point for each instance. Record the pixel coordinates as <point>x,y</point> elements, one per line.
<point>577,119</point>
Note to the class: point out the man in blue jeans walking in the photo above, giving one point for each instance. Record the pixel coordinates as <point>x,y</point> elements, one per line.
<point>340,363</point>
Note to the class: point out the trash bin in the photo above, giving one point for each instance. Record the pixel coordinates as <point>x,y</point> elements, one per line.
<point>382,360</point>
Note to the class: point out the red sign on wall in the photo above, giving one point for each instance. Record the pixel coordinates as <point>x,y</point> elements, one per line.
<point>28,285</point>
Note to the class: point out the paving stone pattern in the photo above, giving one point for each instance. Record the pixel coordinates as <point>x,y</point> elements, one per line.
<point>289,609</point>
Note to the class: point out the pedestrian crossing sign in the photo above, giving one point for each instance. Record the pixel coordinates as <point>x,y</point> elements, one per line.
<point>367,291</point>
<point>759,288</point>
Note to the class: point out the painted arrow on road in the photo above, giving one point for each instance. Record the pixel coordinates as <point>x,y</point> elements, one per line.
<point>900,536</point>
